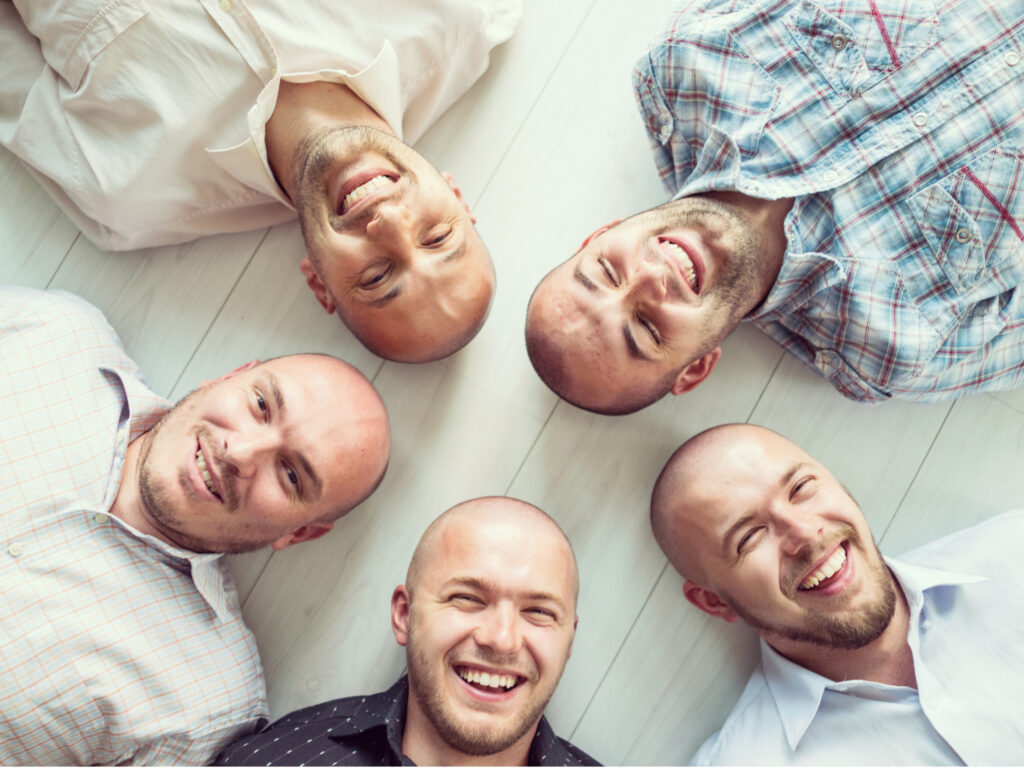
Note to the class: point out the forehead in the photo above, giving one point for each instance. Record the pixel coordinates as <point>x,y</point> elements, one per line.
<point>513,555</point>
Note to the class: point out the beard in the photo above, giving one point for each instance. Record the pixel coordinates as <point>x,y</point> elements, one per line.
<point>161,504</point>
<point>315,157</point>
<point>469,739</point>
<point>832,629</point>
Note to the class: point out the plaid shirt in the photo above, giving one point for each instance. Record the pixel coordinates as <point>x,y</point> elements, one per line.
<point>114,647</point>
<point>898,127</point>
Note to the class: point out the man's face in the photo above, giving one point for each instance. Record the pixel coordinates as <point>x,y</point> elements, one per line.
<point>786,548</point>
<point>262,455</point>
<point>490,628</point>
<point>392,245</point>
<point>642,300</point>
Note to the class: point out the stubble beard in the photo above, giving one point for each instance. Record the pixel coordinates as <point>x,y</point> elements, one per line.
<point>830,630</point>
<point>468,739</point>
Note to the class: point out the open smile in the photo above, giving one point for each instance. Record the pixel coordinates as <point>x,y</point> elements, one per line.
<point>363,189</point>
<point>488,685</point>
<point>686,261</point>
<point>207,479</point>
<point>830,575</point>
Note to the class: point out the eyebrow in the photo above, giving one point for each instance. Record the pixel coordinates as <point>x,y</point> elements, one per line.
<point>482,585</point>
<point>743,521</point>
<point>271,382</point>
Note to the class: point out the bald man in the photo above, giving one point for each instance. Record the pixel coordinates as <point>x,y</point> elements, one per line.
<point>123,633</point>
<point>487,616</point>
<point>864,659</point>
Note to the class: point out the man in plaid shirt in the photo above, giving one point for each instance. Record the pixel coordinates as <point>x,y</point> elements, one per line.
<point>846,175</point>
<point>122,632</point>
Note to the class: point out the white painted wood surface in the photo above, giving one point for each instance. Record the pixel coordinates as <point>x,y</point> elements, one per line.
<point>547,147</point>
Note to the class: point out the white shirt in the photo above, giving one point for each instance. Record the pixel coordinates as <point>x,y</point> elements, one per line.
<point>146,121</point>
<point>968,658</point>
<point>114,646</point>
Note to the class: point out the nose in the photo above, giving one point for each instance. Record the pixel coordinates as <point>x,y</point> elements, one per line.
<point>797,532</point>
<point>392,219</point>
<point>244,451</point>
<point>649,280</point>
<point>499,630</point>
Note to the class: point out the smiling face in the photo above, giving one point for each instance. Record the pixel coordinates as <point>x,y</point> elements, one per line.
<point>765,533</point>
<point>392,245</point>
<point>641,308</point>
<point>269,454</point>
<point>488,617</point>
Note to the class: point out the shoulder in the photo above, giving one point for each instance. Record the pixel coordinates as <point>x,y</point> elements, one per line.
<point>989,548</point>
<point>549,749</point>
<point>27,308</point>
<point>751,731</point>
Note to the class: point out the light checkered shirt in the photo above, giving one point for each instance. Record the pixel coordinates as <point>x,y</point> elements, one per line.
<point>114,647</point>
<point>898,126</point>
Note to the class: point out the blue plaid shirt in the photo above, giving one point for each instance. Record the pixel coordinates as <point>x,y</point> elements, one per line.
<point>898,127</point>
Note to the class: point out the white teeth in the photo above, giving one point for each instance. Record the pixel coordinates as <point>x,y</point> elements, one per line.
<point>363,190</point>
<point>205,471</point>
<point>827,570</point>
<point>683,258</point>
<point>486,679</point>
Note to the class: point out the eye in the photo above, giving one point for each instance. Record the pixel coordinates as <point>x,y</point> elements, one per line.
<point>464,600</point>
<point>438,238</point>
<point>608,271</point>
<point>292,475</point>
<point>261,405</point>
<point>748,540</point>
<point>805,485</point>
<point>541,612</point>
<point>374,277</point>
<point>651,329</point>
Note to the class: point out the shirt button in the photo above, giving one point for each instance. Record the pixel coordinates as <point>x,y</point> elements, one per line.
<point>1012,59</point>
<point>963,235</point>
<point>99,517</point>
<point>14,549</point>
<point>825,359</point>
<point>830,176</point>
<point>665,132</point>
<point>839,42</point>
<point>926,625</point>
<point>920,119</point>
<point>225,5</point>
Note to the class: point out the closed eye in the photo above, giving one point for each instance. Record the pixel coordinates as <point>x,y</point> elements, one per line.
<point>375,277</point>
<point>438,239</point>
<point>608,271</point>
<point>748,539</point>
<point>651,329</point>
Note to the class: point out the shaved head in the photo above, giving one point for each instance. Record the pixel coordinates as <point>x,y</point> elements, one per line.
<point>482,511</point>
<point>677,501</point>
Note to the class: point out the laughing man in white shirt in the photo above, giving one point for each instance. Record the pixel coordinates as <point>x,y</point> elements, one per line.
<point>159,123</point>
<point>864,659</point>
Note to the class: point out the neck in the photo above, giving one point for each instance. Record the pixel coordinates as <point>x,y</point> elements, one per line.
<point>767,219</point>
<point>424,746</point>
<point>301,110</point>
<point>886,659</point>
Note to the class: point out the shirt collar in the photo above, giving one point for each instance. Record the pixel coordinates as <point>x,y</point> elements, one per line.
<point>142,410</point>
<point>797,691</point>
<point>378,84</point>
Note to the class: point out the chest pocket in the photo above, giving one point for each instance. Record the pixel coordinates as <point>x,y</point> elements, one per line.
<point>972,221</point>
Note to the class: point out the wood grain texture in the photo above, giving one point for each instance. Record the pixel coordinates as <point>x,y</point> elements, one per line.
<point>547,147</point>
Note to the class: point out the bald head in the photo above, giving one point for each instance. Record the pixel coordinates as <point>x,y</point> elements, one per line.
<point>697,484</point>
<point>494,515</point>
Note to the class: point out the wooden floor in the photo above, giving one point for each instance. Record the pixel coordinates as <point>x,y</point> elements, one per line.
<point>547,147</point>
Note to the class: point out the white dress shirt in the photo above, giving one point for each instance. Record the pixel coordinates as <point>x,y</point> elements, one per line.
<point>146,121</point>
<point>115,647</point>
<point>965,628</point>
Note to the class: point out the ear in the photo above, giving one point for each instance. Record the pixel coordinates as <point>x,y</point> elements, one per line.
<point>708,601</point>
<point>595,233</point>
<point>400,614</point>
<point>317,285</point>
<point>458,194</point>
<point>305,533</point>
<point>229,374</point>
<point>696,372</point>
